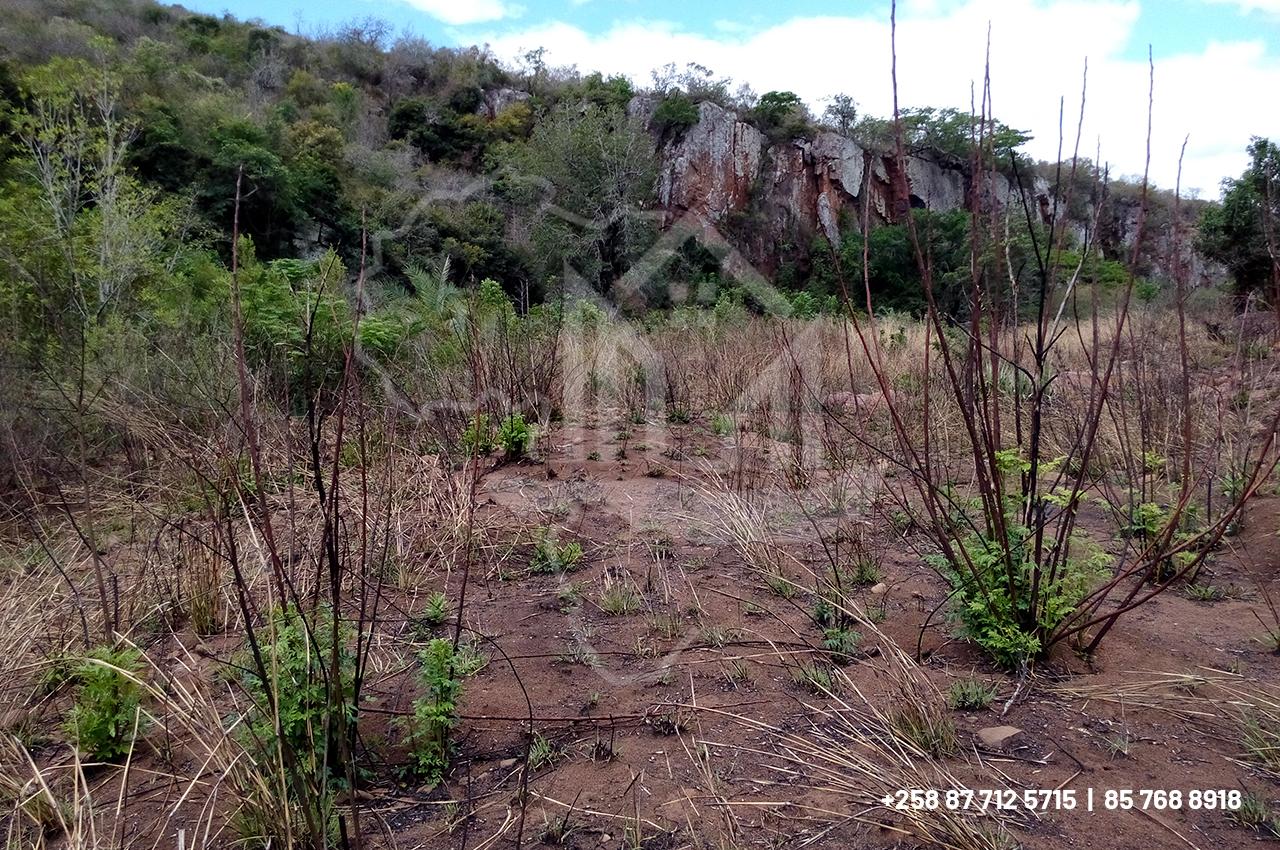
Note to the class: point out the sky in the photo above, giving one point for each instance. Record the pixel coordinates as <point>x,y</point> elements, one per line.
<point>1217,62</point>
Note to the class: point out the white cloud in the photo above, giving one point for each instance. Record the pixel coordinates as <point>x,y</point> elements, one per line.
<point>458,12</point>
<point>1038,51</point>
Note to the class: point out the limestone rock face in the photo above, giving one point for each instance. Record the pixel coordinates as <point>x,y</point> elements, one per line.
<point>712,168</point>
<point>771,197</point>
<point>723,164</point>
<point>496,101</point>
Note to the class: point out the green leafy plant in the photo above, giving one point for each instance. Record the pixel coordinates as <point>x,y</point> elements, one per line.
<point>841,643</point>
<point>294,708</point>
<point>107,701</point>
<point>515,436</point>
<point>435,714</point>
<point>477,437</point>
<point>994,603</point>
<point>1146,520</point>
<point>549,556</point>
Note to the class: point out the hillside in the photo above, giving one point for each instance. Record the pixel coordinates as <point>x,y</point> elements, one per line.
<point>447,154</point>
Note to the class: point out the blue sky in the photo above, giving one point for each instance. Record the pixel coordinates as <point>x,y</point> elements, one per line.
<point>1217,61</point>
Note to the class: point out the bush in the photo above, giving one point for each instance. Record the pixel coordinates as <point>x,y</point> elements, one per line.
<point>515,436</point>
<point>297,654</point>
<point>436,712</point>
<point>675,114</point>
<point>994,602</point>
<point>108,699</point>
<point>477,437</point>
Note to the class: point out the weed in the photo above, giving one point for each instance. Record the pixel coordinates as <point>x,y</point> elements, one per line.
<point>436,610</point>
<point>780,585</point>
<point>435,713</point>
<point>570,596</point>
<point>668,626</point>
<point>107,703</point>
<point>1117,744</point>
<point>719,636</point>
<point>542,753</point>
<point>468,659</point>
<point>1206,592</point>
<point>813,677</point>
<point>620,597</point>
<point>841,643</point>
<point>736,672</point>
<point>579,654</point>
<point>515,436</point>
<point>1261,739</point>
<point>667,723</point>
<point>477,437</point>
<point>293,708</point>
<point>970,694</point>
<point>555,832</point>
<point>1255,812</point>
<point>928,730</point>
<point>864,570</point>
<point>552,557</point>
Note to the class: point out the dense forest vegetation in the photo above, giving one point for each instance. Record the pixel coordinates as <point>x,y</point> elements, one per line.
<point>346,134</point>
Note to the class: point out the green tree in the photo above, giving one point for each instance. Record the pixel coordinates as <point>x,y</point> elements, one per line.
<point>583,181</point>
<point>841,113</point>
<point>782,114</point>
<point>1241,232</point>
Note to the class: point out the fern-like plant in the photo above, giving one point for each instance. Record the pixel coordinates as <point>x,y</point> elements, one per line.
<point>108,699</point>
<point>436,712</point>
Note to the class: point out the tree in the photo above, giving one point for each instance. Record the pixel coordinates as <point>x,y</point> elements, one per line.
<point>583,180</point>
<point>1241,232</point>
<point>781,114</point>
<point>841,113</point>
<point>675,114</point>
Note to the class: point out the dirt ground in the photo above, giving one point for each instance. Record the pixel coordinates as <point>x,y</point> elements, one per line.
<point>669,723</point>
<point>626,701</point>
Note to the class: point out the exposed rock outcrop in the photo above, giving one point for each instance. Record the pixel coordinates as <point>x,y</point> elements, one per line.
<point>496,101</point>
<point>774,197</point>
<point>723,167</point>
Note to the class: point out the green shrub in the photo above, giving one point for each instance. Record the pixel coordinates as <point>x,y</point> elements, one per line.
<point>515,436</point>
<point>841,643</point>
<point>1146,520</point>
<point>477,437</point>
<point>297,666</point>
<point>993,599</point>
<point>436,712</point>
<point>107,702</point>
<point>675,114</point>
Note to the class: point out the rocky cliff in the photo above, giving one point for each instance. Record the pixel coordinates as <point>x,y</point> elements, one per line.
<point>774,198</point>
